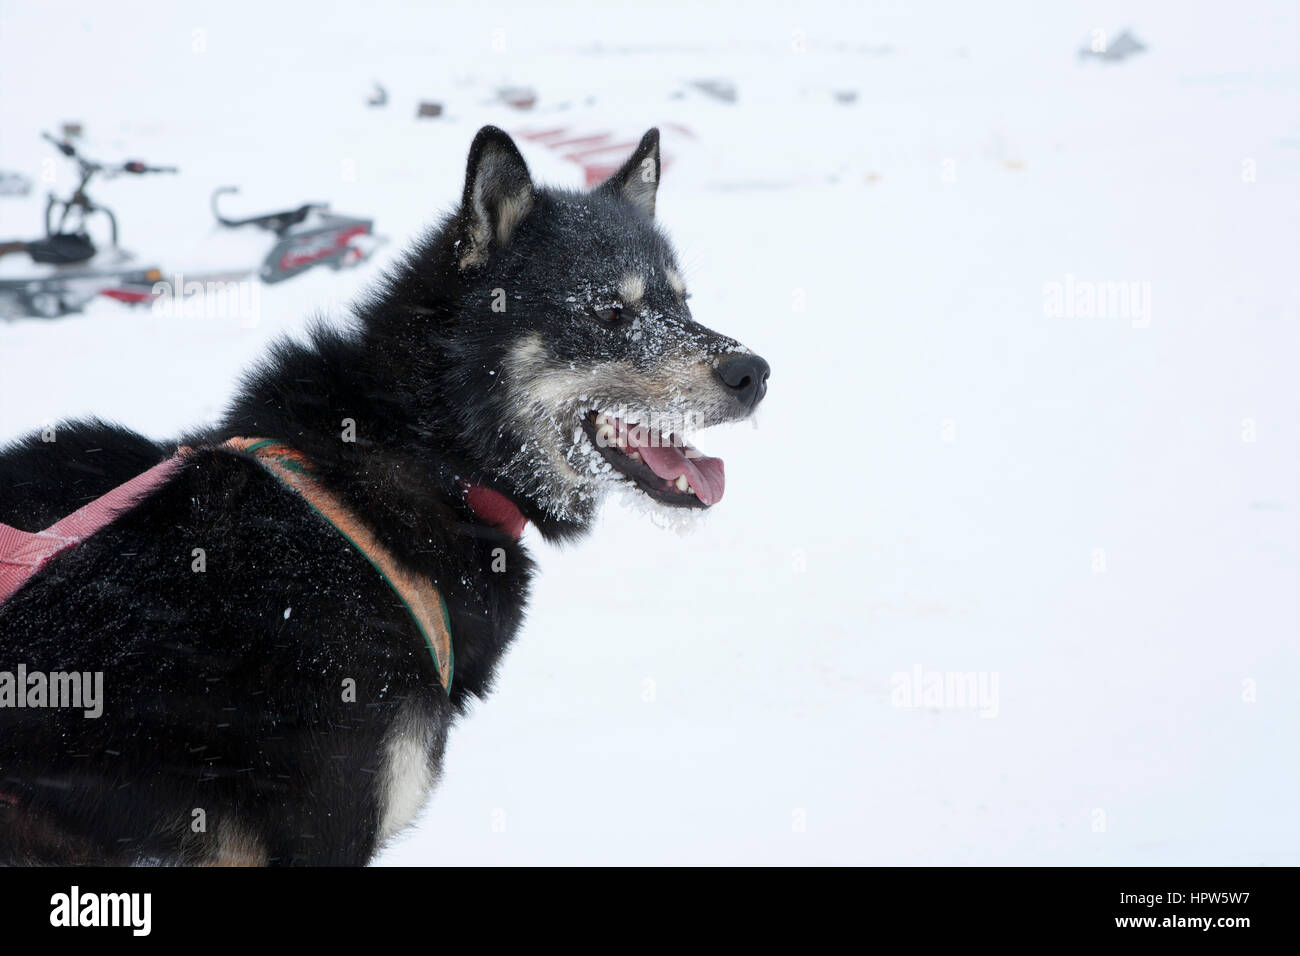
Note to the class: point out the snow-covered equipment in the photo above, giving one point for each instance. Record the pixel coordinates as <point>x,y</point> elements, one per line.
<point>65,268</point>
<point>305,236</point>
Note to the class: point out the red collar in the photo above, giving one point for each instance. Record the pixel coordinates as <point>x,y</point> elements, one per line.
<point>496,509</point>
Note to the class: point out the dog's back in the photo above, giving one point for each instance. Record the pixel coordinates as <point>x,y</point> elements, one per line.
<point>49,474</point>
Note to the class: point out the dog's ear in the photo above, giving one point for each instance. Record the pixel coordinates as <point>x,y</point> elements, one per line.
<point>498,195</point>
<point>638,180</point>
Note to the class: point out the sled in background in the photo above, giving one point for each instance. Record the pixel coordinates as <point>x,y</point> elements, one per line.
<point>61,271</point>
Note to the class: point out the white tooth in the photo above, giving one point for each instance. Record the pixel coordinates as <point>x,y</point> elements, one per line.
<point>635,456</point>
<point>682,483</point>
<point>604,435</point>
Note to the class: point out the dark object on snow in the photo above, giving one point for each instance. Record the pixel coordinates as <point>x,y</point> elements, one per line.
<point>77,207</point>
<point>67,268</point>
<point>252,662</point>
<point>61,249</point>
<point>70,130</point>
<point>379,97</point>
<point>308,235</point>
<point>276,222</point>
<point>520,97</point>
<point>723,90</point>
<point>1116,51</point>
<point>428,108</point>
<point>845,97</point>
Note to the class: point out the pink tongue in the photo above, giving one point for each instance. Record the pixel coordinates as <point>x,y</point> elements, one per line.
<point>669,461</point>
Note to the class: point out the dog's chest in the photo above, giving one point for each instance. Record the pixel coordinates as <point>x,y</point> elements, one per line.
<point>411,753</point>
<point>411,748</point>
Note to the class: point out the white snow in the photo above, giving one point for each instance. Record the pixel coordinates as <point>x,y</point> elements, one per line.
<point>1097,515</point>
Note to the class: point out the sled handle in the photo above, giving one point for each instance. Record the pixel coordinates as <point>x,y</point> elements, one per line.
<point>63,146</point>
<point>216,211</point>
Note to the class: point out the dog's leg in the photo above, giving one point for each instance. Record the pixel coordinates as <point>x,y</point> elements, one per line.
<point>330,820</point>
<point>236,846</point>
<point>320,843</point>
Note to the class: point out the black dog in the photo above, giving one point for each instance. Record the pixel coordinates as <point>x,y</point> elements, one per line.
<point>268,695</point>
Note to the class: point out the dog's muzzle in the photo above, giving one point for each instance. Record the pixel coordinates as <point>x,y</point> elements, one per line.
<point>744,376</point>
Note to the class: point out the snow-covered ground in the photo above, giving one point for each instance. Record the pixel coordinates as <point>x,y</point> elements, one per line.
<point>1094,516</point>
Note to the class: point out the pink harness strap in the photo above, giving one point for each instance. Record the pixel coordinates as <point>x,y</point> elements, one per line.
<point>23,553</point>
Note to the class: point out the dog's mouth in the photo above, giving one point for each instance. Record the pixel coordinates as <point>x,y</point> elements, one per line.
<point>659,463</point>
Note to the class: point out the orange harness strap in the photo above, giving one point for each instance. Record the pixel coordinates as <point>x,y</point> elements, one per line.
<point>422,599</point>
<point>23,554</point>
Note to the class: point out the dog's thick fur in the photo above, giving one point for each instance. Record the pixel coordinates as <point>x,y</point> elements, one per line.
<point>227,736</point>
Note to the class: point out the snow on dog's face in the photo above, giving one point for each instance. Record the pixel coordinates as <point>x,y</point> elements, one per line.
<point>603,373</point>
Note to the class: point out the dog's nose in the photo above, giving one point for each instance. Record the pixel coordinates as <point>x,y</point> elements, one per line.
<point>745,376</point>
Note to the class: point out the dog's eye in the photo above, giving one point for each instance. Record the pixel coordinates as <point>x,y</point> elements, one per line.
<point>612,314</point>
